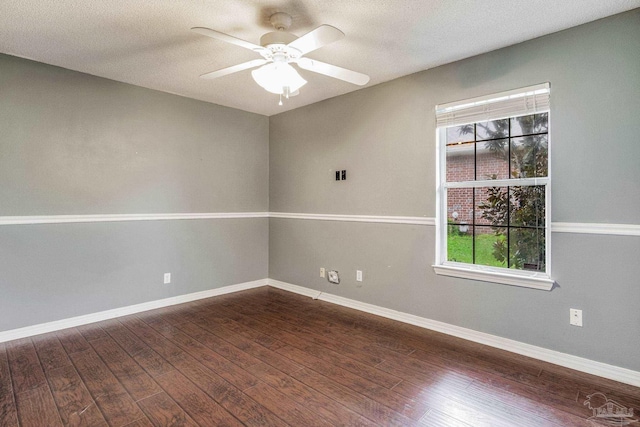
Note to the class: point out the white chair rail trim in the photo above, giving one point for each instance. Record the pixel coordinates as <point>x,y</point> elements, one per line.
<point>61,219</point>
<point>415,220</point>
<point>556,227</point>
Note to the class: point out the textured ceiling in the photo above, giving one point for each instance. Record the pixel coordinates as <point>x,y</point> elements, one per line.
<point>148,42</point>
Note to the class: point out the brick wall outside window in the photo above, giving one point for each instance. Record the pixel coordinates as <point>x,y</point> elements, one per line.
<point>460,167</point>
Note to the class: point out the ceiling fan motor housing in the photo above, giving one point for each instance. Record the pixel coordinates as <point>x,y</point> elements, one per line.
<point>277,41</point>
<point>277,37</point>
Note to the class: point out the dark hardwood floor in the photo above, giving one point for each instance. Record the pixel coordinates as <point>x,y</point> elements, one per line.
<point>266,357</point>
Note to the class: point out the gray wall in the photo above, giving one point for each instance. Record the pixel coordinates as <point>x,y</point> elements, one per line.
<point>385,137</point>
<point>71,143</point>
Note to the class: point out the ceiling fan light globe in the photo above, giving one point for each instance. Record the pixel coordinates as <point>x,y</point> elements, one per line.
<point>279,78</point>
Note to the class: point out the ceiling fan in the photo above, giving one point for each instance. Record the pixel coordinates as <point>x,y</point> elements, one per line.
<point>279,49</point>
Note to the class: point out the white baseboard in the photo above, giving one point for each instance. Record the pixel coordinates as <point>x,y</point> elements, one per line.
<point>604,370</point>
<point>600,369</point>
<point>293,288</point>
<point>57,325</point>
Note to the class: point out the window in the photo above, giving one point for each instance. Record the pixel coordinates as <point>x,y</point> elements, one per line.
<point>493,188</point>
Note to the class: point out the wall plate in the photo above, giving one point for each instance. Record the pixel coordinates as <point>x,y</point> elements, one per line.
<point>333,277</point>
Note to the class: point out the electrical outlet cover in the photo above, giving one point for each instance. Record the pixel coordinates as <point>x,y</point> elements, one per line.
<point>333,277</point>
<point>575,317</point>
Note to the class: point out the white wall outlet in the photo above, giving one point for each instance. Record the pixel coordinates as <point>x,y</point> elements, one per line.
<point>575,317</point>
<point>359,275</point>
<point>167,278</point>
<point>321,271</point>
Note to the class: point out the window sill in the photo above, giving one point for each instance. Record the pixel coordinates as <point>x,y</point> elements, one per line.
<point>523,279</point>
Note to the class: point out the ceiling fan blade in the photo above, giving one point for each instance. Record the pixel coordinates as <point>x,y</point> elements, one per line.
<point>234,69</point>
<point>333,71</point>
<point>315,39</point>
<point>227,38</point>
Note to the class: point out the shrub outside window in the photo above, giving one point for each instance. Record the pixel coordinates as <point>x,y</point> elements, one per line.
<point>494,188</point>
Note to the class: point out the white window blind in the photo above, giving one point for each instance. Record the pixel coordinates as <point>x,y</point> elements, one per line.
<point>518,102</point>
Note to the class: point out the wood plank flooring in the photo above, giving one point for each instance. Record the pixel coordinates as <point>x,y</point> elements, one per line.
<point>266,357</point>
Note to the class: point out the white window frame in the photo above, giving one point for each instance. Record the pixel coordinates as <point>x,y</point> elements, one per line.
<point>513,103</point>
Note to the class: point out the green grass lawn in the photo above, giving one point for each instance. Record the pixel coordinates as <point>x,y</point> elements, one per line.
<point>460,249</point>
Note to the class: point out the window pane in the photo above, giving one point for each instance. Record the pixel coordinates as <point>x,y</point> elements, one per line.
<point>504,226</point>
<point>460,162</point>
<point>527,248</point>
<point>492,159</point>
<point>492,129</point>
<point>460,205</point>
<point>491,246</point>
<point>529,156</point>
<point>527,125</point>
<point>491,206</point>
<point>527,206</point>
<point>459,134</point>
<point>460,243</point>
